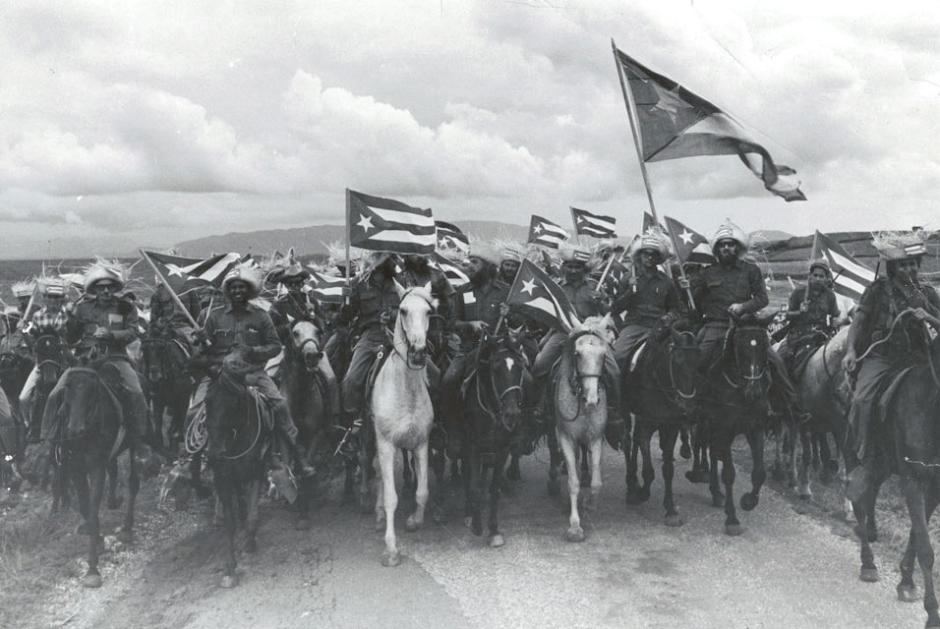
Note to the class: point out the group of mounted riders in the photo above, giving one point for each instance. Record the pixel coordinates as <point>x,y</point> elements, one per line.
<point>238,337</point>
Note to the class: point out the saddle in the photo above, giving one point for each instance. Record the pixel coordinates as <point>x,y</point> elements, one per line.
<point>380,359</point>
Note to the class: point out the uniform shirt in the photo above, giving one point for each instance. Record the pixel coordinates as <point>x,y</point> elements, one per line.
<point>249,327</point>
<point>717,287</point>
<point>656,295</point>
<point>289,308</point>
<point>45,321</point>
<point>371,295</point>
<point>478,304</point>
<point>583,299</point>
<point>120,318</point>
<point>881,302</point>
<point>823,308</point>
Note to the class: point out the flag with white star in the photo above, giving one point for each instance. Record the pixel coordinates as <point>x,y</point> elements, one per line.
<point>449,236</point>
<point>381,224</point>
<point>546,233</point>
<point>451,271</point>
<point>596,225</point>
<point>850,277</point>
<point>649,222</point>
<point>185,274</point>
<point>675,123</point>
<point>535,294</point>
<point>690,245</point>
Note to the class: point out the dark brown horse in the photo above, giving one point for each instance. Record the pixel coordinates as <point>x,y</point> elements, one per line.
<point>164,366</point>
<point>240,433</point>
<point>736,402</point>
<point>83,421</point>
<point>661,392</point>
<point>908,444</point>
<point>52,359</point>
<point>493,396</point>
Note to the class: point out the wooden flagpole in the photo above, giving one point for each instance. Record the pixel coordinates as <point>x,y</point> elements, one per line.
<point>812,253</point>
<point>173,295</point>
<point>348,238</point>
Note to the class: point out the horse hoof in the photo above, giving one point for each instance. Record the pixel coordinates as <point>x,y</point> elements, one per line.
<point>412,524</point>
<point>554,488</point>
<point>718,500</point>
<point>497,541</point>
<point>251,546</point>
<point>303,524</point>
<point>644,494</point>
<point>92,581</point>
<point>869,575</point>
<point>391,559</point>
<point>908,593</point>
<point>674,520</point>
<point>228,581</point>
<point>575,534</point>
<point>733,530</point>
<point>749,501</point>
<point>685,451</point>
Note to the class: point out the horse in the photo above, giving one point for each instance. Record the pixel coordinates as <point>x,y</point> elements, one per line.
<point>736,402</point>
<point>908,444</point>
<point>402,414</point>
<point>240,432</point>
<point>164,366</point>
<point>662,391</point>
<point>52,359</point>
<point>84,423</point>
<point>493,397</point>
<point>306,399</point>
<point>12,444</point>
<point>580,402</point>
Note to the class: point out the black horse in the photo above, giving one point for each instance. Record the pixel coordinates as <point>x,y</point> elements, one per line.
<point>240,431</point>
<point>661,392</point>
<point>737,402</point>
<point>83,421</point>
<point>164,366</point>
<point>493,397</point>
<point>52,359</point>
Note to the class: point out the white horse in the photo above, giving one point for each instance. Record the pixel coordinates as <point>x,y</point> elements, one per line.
<point>402,412</point>
<point>581,408</point>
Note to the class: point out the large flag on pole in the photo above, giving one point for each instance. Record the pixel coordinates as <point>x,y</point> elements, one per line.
<point>381,224</point>
<point>327,288</point>
<point>675,123</point>
<point>649,222</point>
<point>449,236</point>
<point>596,225</point>
<point>535,294</point>
<point>546,233</point>
<point>185,274</point>
<point>454,274</point>
<point>850,276</point>
<point>691,246</point>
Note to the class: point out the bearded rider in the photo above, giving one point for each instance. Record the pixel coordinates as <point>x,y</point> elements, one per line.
<point>813,313</point>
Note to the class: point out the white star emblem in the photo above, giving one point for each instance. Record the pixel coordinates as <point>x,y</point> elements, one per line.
<point>365,222</point>
<point>175,270</point>
<point>528,287</point>
<point>538,228</point>
<point>668,101</point>
<point>686,237</point>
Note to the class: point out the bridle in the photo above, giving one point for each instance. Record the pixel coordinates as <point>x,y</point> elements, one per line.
<point>498,415</point>
<point>672,375</point>
<point>396,345</point>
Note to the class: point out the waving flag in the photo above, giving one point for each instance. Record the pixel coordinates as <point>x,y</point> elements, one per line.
<point>451,271</point>
<point>674,123</point>
<point>850,276</point>
<point>535,294</point>
<point>381,224</point>
<point>690,245</point>
<point>596,225</point>
<point>449,236</point>
<point>185,274</point>
<point>327,288</point>
<point>649,222</point>
<point>546,233</point>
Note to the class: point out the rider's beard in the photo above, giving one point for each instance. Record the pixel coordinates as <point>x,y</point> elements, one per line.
<point>726,257</point>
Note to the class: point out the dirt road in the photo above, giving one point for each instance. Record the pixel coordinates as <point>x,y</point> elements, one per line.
<point>787,570</point>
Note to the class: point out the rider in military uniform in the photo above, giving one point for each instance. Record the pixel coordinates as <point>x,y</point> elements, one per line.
<point>166,316</point>
<point>886,352</point>
<point>812,312</point>
<point>296,305</point>
<point>241,328</point>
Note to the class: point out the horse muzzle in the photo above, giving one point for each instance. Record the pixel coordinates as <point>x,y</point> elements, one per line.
<point>312,359</point>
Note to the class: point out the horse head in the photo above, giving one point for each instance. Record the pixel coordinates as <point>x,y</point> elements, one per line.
<point>683,356</point>
<point>50,359</point>
<point>305,343</point>
<point>153,352</point>
<point>590,342</point>
<point>411,325</point>
<point>750,349</point>
<point>505,364</point>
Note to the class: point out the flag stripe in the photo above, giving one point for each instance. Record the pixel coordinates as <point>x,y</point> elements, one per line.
<point>863,273</point>
<point>405,218</point>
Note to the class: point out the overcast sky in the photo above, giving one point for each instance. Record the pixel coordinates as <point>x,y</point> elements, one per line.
<point>147,123</point>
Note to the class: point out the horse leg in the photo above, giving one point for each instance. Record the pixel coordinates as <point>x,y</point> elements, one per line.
<point>699,471</point>
<point>225,490</point>
<point>803,487</point>
<point>732,525</point>
<point>92,577</point>
<point>252,520</point>
<point>830,466</point>
<point>685,450</point>
<point>466,477</point>
<point>513,472</point>
<point>386,455</point>
<point>914,493</point>
<point>868,572</point>
<point>777,472</point>
<point>496,539</point>
<point>195,470</point>
<point>554,460</point>
<point>420,458</point>
<point>585,472</point>
<point>133,486</point>
<point>114,501</point>
<point>455,470</point>
<point>349,480</point>
<point>79,475</point>
<point>159,406</point>
<point>667,445</point>
<point>649,475</point>
<point>366,457</point>
<point>714,453</point>
<point>632,454</point>
<point>906,588</point>
<point>407,474</point>
<point>575,533</point>
<point>755,440</point>
<point>438,463</point>
<point>597,447</point>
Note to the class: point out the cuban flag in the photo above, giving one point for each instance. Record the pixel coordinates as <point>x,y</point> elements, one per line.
<point>546,233</point>
<point>850,277</point>
<point>690,245</point>
<point>451,271</point>
<point>536,295</point>
<point>186,274</point>
<point>449,236</point>
<point>327,288</point>
<point>381,224</point>
<point>595,225</point>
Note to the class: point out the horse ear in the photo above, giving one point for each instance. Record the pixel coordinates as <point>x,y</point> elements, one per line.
<point>399,288</point>
<point>608,321</point>
<point>427,287</point>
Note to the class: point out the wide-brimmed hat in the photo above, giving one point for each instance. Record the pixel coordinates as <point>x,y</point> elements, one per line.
<point>52,286</point>
<point>246,272</point>
<point>899,245</point>
<point>484,251</point>
<point>730,231</point>
<point>105,270</point>
<point>290,269</point>
<point>653,240</point>
<point>23,288</point>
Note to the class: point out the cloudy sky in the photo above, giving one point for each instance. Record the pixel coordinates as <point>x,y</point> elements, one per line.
<point>148,123</point>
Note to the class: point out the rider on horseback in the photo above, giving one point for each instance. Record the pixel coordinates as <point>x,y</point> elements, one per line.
<point>247,330</point>
<point>886,342</point>
<point>166,316</point>
<point>812,312</point>
<point>296,305</point>
<point>51,319</point>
